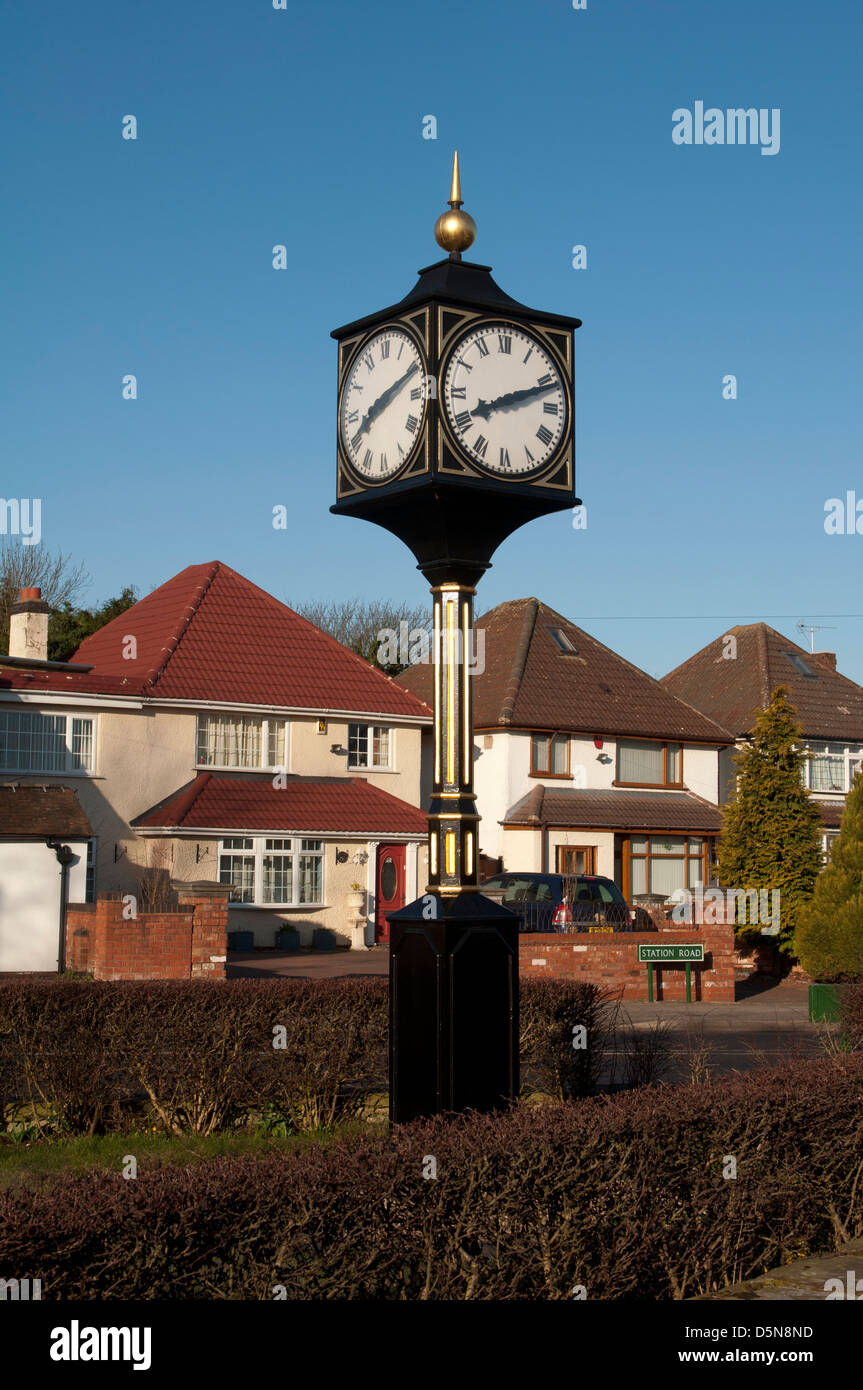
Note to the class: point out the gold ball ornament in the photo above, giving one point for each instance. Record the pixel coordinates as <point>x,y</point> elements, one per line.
<point>455,230</point>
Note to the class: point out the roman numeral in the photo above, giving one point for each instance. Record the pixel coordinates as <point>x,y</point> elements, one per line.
<point>545,380</point>
<point>416,393</point>
<point>383,463</point>
<point>549,407</point>
<point>400,449</point>
<point>401,350</point>
<point>480,446</point>
<point>463,421</point>
<point>459,393</point>
<point>504,343</point>
<point>504,458</point>
<point>411,423</point>
<point>462,363</point>
<point>483,350</point>
<point>357,441</point>
<point>369,361</point>
<point>527,355</point>
<point>530,457</point>
<point>385,349</point>
<point>353,417</point>
<point>544,436</point>
<point>367,461</point>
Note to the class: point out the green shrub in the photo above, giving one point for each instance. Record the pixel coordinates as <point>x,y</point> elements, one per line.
<point>829,936</point>
<point>626,1197</point>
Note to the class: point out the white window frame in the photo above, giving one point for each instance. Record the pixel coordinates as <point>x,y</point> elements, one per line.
<point>266,721</point>
<point>370,735</point>
<point>69,769</point>
<point>849,753</point>
<point>258,851</point>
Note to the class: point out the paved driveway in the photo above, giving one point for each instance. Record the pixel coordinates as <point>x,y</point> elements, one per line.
<point>310,965</point>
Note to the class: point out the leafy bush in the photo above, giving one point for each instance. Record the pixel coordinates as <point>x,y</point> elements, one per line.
<point>550,1012</point>
<point>625,1197</point>
<point>851,1017</point>
<point>199,1055</point>
<point>829,936</point>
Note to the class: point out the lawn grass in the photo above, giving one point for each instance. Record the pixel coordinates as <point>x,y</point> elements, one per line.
<point>22,1163</point>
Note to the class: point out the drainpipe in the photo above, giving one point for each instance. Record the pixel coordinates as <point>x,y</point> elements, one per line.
<point>65,857</point>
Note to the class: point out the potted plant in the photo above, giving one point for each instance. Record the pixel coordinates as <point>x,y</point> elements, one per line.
<point>287,937</point>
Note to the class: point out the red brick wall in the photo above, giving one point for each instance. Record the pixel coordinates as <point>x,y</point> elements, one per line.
<point>612,959</point>
<point>153,945</point>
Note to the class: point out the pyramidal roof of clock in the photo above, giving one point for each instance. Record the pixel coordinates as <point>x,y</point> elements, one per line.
<point>210,634</point>
<point>464,284</point>
<point>454,281</point>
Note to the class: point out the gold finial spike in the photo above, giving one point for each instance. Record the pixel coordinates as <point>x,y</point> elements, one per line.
<point>455,230</point>
<point>455,198</point>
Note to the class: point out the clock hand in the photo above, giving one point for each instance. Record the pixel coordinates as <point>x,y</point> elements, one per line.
<point>485,408</point>
<point>384,399</point>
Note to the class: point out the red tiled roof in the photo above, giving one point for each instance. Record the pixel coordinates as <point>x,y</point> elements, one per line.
<point>43,811</point>
<point>210,634</point>
<point>529,683</point>
<point>345,805</point>
<point>733,689</point>
<point>616,810</point>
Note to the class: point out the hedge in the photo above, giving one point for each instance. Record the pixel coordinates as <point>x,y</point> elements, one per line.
<point>200,1055</point>
<point>616,1197</point>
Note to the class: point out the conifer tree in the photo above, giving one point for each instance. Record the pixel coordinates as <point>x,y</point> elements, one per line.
<point>771,837</point>
<point>829,936</point>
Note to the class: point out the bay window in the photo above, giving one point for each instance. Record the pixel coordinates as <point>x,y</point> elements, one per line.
<point>285,871</point>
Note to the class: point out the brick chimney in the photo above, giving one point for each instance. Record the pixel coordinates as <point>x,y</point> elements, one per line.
<point>28,626</point>
<point>826,659</point>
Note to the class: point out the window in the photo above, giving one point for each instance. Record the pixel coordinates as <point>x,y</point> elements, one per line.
<point>266,871</point>
<point>549,755</point>
<point>576,859</point>
<point>563,641</point>
<point>368,745</point>
<point>828,841</point>
<point>663,863</point>
<point>237,867</point>
<point>231,740</point>
<point>90,888</point>
<point>645,764</point>
<point>31,741</point>
<point>831,767</point>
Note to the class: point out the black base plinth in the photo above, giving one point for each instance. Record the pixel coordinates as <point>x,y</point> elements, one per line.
<point>453,1006</point>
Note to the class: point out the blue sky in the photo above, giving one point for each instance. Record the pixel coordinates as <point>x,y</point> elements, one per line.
<point>304,127</point>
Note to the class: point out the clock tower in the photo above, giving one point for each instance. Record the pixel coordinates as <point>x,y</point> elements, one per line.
<point>455,427</point>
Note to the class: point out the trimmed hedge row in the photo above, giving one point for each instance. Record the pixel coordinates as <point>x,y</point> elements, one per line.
<point>622,1197</point>
<point>200,1055</point>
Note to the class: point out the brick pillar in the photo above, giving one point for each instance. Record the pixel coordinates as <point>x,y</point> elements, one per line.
<point>209,904</point>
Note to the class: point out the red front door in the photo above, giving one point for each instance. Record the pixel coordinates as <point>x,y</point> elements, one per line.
<point>390,887</point>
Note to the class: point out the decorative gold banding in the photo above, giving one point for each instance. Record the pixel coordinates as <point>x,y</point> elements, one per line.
<point>450,852</point>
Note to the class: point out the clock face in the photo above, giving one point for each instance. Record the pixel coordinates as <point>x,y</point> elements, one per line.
<point>505,399</point>
<point>383,404</point>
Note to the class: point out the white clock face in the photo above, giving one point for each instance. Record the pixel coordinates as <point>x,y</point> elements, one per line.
<point>383,404</point>
<point>505,399</point>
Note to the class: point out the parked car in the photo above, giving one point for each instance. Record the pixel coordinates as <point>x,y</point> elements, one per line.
<point>564,902</point>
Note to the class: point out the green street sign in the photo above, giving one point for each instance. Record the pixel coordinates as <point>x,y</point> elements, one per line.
<point>667,954</point>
